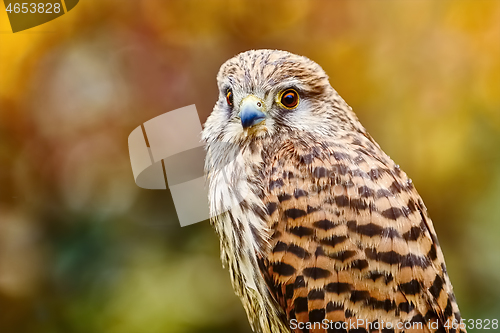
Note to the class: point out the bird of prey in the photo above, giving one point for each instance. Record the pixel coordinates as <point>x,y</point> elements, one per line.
<point>325,233</point>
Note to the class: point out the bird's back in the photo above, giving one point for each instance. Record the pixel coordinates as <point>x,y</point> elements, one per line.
<point>352,246</point>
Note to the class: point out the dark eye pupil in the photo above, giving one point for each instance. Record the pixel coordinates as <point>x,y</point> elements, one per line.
<point>229,97</point>
<point>289,99</point>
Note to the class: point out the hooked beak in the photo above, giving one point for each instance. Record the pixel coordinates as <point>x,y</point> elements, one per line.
<point>251,111</point>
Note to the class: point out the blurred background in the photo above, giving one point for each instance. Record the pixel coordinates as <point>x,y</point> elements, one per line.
<point>83,249</point>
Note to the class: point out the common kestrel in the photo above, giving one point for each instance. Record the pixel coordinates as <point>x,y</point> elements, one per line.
<point>325,233</point>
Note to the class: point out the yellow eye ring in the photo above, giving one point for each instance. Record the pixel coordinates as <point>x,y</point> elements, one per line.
<point>289,98</point>
<point>229,97</point>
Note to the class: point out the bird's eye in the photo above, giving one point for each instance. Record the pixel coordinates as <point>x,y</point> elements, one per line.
<point>290,98</point>
<point>229,97</point>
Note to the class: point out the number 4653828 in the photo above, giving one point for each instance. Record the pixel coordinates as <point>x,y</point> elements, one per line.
<point>484,324</point>
<point>41,8</point>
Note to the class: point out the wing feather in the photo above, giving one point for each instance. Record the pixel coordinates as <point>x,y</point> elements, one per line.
<point>351,240</point>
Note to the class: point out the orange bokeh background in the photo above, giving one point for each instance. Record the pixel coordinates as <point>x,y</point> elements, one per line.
<point>83,249</point>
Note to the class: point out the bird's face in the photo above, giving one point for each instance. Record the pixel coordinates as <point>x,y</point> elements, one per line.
<point>265,92</point>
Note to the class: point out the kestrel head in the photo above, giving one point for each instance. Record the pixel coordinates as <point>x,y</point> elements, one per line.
<point>265,92</point>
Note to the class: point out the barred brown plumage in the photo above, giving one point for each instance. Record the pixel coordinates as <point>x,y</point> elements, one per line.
<point>329,228</point>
